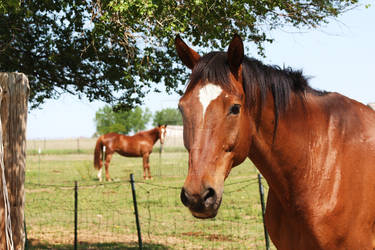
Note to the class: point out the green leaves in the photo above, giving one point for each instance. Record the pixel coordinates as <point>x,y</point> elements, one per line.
<point>169,116</point>
<point>109,120</point>
<point>7,6</point>
<point>123,122</point>
<point>117,51</point>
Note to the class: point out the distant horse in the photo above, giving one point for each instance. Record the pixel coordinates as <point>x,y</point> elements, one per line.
<point>315,149</point>
<point>138,145</point>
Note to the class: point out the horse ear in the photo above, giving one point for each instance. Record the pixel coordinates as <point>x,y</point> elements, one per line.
<point>235,53</point>
<point>188,56</point>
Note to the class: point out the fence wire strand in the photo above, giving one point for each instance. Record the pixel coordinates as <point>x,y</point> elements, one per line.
<point>106,215</point>
<point>106,210</point>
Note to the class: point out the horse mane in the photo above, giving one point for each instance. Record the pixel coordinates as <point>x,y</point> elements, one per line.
<point>258,78</point>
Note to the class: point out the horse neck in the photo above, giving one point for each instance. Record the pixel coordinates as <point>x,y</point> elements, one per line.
<point>286,159</point>
<point>154,134</point>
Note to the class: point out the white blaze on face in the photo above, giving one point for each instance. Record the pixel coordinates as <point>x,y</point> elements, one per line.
<point>207,94</point>
<point>162,136</point>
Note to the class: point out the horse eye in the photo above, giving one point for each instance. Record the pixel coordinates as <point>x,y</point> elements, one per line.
<point>235,109</point>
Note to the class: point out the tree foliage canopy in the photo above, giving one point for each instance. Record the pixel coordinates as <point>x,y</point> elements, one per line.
<point>168,116</point>
<point>122,122</point>
<point>117,51</point>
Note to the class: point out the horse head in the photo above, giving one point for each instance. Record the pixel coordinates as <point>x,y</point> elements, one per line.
<point>216,124</point>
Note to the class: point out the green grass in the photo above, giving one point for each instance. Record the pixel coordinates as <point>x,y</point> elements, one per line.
<point>106,217</point>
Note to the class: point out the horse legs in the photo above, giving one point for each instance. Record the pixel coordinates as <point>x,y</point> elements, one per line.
<point>108,157</point>
<point>146,166</point>
<point>100,174</point>
<point>100,170</point>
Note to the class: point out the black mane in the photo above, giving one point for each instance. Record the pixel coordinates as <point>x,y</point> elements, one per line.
<point>282,82</point>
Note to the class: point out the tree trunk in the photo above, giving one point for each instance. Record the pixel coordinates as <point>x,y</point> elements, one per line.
<point>14,93</point>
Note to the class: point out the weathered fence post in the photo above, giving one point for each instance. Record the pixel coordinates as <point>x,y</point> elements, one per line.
<point>261,192</point>
<point>14,93</point>
<point>136,211</point>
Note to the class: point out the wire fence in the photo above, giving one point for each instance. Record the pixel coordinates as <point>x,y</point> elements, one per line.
<point>105,217</point>
<point>236,226</point>
<point>83,144</point>
<point>104,212</point>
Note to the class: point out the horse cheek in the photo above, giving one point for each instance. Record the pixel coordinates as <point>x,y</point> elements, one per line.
<point>243,144</point>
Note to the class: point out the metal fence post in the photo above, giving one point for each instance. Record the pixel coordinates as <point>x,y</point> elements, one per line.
<point>136,211</point>
<point>263,211</point>
<point>75,213</point>
<point>160,151</point>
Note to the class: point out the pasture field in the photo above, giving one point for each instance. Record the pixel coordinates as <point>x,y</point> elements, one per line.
<point>105,210</point>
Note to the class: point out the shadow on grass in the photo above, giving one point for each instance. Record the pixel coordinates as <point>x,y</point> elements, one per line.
<point>34,244</point>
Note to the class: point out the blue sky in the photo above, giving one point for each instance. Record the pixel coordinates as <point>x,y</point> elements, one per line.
<point>339,57</point>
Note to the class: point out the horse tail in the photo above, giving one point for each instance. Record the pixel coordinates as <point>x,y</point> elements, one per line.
<point>98,153</point>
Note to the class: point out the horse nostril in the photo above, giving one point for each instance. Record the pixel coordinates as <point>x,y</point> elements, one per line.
<point>209,197</point>
<point>184,197</point>
<point>198,202</point>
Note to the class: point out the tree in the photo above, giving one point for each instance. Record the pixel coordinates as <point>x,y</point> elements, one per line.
<point>123,122</point>
<point>169,116</point>
<point>117,51</point>
<point>6,5</point>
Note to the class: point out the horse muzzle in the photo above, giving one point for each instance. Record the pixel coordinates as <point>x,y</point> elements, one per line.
<point>203,205</point>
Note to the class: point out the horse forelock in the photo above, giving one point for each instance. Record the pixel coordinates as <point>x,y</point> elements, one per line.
<point>211,68</point>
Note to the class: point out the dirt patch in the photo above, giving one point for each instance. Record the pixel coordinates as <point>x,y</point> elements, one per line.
<point>109,192</point>
<point>129,239</point>
<point>33,242</point>
<point>210,237</point>
<point>39,190</point>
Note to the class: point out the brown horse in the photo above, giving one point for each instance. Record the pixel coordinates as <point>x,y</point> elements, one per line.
<point>315,149</point>
<point>138,145</point>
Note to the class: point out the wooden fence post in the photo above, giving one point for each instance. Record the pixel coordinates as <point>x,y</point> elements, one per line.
<point>14,94</point>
